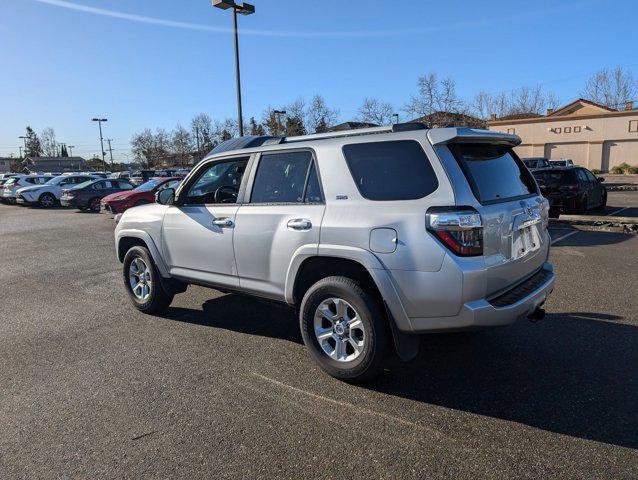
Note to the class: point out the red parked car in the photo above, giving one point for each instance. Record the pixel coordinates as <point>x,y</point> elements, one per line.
<point>145,193</point>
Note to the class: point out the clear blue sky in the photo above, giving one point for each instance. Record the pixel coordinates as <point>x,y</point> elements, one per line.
<point>63,65</point>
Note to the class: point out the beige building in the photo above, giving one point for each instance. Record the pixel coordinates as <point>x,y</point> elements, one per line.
<point>590,134</point>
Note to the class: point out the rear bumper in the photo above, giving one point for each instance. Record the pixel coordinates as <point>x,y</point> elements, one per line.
<point>519,302</point>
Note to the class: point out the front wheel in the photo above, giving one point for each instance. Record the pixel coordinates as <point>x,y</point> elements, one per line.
<point>47,200</point>
<point>343,326</point>
<point>142,282</point>
<point>581,207</point>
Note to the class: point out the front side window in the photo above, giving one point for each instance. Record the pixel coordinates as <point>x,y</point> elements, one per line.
<point>493,171</point>
<point>397,170</point>
<point>282,178</point>
<point>219,183</point>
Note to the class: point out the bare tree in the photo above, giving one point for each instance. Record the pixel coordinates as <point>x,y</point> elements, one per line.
<point>434,96</point>
<point>272,122</point>
<point>374,111</point>
<point>151,149</point>
<point>49,145</point>
<point>225,130</point>
<point>182,144</point>
<point>202,130</point>
<point>319,116</point>
<point>612,88</point>
<point>524,100</point>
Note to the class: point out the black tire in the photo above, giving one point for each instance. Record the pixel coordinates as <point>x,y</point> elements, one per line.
<point>368,309</point>
<point>46,200</point>
<point>603,201</point>
<point>158,299</point>
<point>581,208</point>
<point>554,212</point>
<point>94,205</point>
<point>82,208</point>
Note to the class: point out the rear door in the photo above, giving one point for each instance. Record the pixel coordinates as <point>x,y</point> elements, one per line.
<point>282,214</point>
<point>515,240</point>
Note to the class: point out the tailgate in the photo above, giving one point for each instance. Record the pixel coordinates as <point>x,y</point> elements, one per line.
<point>515,241</point>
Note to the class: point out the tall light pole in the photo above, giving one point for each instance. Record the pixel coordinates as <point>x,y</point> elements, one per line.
<point>242,9</point>
<point>70,148</point>
<point>99,122</point>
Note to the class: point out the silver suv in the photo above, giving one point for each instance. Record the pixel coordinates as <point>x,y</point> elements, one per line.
<point>373,235</point>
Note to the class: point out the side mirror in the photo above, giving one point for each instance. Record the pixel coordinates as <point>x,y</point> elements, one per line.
<point>600,179</point>
<point>165,197</point>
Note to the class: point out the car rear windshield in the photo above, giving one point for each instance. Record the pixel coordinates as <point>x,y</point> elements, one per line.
<point>397,170</point>
<point>555,178</point>
<point>494,172</point>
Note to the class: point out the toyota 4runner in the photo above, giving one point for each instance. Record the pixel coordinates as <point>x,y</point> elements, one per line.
<point>373,235</point>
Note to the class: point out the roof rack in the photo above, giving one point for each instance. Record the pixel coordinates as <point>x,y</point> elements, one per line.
<point>397,127</point>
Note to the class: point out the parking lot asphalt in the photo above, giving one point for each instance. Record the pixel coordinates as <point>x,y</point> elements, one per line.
<point>222,387</point>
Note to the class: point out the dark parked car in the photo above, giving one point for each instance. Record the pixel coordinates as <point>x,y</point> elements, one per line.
<point>571,189</point>
<point>87,195</point>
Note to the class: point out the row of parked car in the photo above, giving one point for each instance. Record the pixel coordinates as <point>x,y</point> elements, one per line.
<point>84,191</point>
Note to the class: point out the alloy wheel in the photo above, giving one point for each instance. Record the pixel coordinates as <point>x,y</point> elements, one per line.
<point>140,279</point>
<point>339,330</point>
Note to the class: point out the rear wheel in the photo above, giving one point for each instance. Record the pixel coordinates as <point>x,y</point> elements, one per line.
<point>581,207</point>
<point>47,200</point>
<point>603,201</point>
<point>142,282</point>
<point>94,204</point>
<point>344,328</point>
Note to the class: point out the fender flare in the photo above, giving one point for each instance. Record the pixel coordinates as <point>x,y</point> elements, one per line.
<point>369,261</point>
<point>150,244</point>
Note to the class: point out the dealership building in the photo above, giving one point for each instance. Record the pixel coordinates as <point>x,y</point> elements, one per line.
<point>591,135</point>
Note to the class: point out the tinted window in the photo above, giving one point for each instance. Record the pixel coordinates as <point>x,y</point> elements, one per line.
<point>390,170</point>
<point>590,176</point>
<point>99,186</point>
<point>313,189</point>
<point>582,176</point>
<point>494,172</point>
<point>281,177</point>
<point>555,179</point>
<point>219,183</point>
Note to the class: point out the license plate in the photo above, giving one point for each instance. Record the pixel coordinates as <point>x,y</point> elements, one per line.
<point>525,241</point>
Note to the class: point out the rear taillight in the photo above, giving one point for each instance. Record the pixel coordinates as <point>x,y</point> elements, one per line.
<point>459,229</point>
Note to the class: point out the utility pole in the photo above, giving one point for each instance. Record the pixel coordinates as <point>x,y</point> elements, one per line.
<point>197,139</point>
<point>99,121</point>
<point>110,151</point>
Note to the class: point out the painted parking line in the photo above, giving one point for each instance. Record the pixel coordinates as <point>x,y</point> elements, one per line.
<point>567,235</point>
<point>617,211</point>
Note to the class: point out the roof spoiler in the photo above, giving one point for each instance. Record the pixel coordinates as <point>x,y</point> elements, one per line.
<point>444,136</point>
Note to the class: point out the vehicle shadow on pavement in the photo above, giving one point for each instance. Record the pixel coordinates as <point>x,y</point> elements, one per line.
<point>573,374</point>
<point>589,238</point>
<point>242,314</point>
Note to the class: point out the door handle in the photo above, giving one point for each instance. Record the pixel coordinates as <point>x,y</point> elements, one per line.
<point>300,224</point>
<point>223,222</point>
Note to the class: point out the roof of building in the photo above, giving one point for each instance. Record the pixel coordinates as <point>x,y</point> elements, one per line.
<point>450,119</point>
<point>578,104</point>
<point>54,159</point>
<point>519,116</point>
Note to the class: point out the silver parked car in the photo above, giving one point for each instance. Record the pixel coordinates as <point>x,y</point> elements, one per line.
<point>10,188</point>
<point>374,235</point>
<point>48,194</point>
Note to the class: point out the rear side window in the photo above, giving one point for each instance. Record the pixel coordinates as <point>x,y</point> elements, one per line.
<point>397,170</point>
<point>494,172</point>
<point>287,177</point>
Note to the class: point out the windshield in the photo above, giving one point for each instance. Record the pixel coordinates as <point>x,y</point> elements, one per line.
<point>56,180</point>
<point>554,179</point>
<point>150,185</point>
<point>494,172</point>
<point>12,180</point>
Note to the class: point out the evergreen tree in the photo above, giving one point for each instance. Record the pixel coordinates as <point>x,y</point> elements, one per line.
<point>63,152</point>
<point>34,147</point>
<point>294,127</point>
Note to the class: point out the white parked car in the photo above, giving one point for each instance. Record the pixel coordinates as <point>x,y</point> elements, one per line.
<point>11,186</point>
<point>48,195</point>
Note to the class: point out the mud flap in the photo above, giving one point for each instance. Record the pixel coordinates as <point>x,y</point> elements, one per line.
<point>406,345</point>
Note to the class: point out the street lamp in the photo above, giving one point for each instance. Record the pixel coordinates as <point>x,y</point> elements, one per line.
<point>70,149</point>
<point>99,122</point>
<point>279,114</point>
<point>242,9</point>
